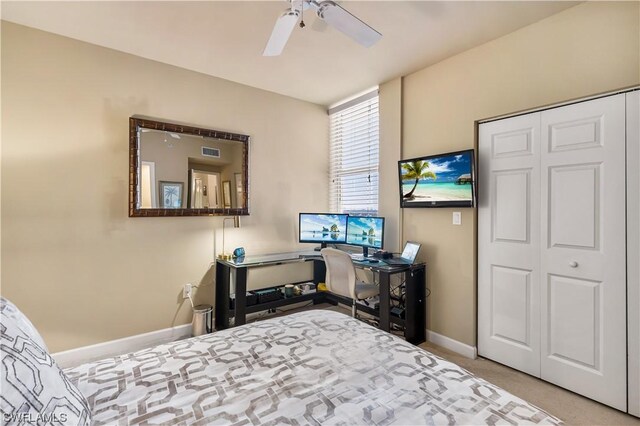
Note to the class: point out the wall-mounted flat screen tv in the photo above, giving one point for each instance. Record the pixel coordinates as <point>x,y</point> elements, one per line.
<point>444,180</point>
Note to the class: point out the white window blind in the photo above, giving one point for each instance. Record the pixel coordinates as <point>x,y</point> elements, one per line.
<point>354,156</point>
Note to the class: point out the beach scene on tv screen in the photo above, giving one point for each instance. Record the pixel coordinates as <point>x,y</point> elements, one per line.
<point>323,227</point>
<point>446,178</point>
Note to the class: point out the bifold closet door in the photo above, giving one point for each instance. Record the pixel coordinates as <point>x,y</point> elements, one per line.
<point>633,248</point>
<point>583,242</point>
<point>551,246</point>
<point>509,242</point>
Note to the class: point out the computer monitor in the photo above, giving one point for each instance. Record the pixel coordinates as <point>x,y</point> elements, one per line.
<point>322,228</point>
<point>365,231</point>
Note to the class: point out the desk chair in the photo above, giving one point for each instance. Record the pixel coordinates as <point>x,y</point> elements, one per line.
<point>341,277</point>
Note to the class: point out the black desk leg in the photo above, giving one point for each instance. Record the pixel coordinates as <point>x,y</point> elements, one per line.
<point>415,320</point>
<point>241,296</point>
<point>385,305</point>
<point>319,276</point>
<point>222,296</point>
<point>319,271</point>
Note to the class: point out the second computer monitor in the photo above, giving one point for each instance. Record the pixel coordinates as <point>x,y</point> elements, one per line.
<point>366,232</point>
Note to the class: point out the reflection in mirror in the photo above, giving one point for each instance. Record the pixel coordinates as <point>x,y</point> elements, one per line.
<point>186,171</point>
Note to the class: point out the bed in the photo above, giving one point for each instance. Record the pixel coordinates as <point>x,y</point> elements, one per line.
<point>313,367</point>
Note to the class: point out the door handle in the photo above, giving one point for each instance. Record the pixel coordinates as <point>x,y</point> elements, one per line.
<point>573,264</point>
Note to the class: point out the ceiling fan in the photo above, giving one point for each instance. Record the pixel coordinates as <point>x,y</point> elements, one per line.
<point>326,10</point>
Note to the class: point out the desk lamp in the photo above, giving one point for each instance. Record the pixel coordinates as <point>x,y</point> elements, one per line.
<point>236,224</point>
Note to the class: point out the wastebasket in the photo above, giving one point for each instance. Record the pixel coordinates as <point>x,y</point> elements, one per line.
<point>202,320</point>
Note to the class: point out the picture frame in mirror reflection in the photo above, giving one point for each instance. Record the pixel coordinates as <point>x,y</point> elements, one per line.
<point>226,191</point>
<point>171,194</point>
<point>238,182</point>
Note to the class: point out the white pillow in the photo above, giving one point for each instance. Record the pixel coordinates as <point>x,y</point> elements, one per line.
<point>9,310</point>
<point>34,389</point>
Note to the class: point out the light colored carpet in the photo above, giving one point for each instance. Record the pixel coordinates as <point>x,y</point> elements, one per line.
<point>573,409</point>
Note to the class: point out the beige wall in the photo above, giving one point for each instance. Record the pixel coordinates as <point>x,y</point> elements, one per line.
<point>590,48</point>
<point>81,269</point>
<point>390,101</point>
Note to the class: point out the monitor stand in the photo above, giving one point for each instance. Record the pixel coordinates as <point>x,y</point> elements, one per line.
<point>365,251</point>
<point>322,245</point>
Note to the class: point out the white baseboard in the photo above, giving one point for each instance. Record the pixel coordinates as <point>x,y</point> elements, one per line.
<point>453,345</point>
<point>74,357</point>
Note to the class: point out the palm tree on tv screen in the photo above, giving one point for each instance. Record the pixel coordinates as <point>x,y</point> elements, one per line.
<point>416,170</point>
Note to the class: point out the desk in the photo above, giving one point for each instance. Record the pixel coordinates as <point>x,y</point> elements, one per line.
<point>414,278</point>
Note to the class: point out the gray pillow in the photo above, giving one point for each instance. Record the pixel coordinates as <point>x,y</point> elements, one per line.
<point>34,389</point>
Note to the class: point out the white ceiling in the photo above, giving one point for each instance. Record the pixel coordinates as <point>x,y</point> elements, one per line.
<point>319,64</point>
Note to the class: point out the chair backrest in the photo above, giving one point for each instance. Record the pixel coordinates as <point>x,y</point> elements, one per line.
<point>341,274</point>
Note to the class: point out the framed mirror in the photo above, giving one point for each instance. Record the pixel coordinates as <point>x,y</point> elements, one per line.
<point>178,170</point>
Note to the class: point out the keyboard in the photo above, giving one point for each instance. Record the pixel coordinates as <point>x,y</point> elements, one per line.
<point>356,256</point>
<point>397,261</point>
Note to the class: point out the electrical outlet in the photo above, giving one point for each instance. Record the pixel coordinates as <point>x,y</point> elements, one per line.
<point>186,291</point>
<point>457,218</point>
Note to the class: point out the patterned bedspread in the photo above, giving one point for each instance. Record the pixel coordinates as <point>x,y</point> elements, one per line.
<point>314,367</point>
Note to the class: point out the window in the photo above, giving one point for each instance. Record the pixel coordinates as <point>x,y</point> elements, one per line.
<point>353,156</point>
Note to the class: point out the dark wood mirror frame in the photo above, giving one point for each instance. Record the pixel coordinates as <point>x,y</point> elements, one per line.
<point>134,172</point>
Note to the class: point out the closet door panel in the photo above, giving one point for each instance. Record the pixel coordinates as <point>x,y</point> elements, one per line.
<point>633,248</point>
<point>508,242</point>
<point>574,205</point>
<point>583,321</point>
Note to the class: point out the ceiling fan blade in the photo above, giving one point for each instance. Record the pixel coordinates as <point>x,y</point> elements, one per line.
<point>281,32</point>
<point>348,24</point>
<point>319,25</point>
